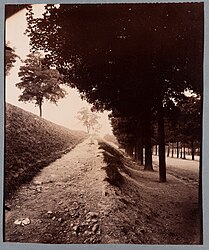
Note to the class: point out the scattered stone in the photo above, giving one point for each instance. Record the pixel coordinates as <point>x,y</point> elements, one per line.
<point>95,228</point>
<point>18,222</point>
<point>60,220</point>
<point>98,232</point>
<point>88,220</point>
<point>53,218</point>
<point>87,233</point>
<point>22,222</point>
<point>49,212</point>
<point>94,220</point>
<point>75,205</point>
<point>76,230</point>
<point>60,203</point>
<point>38,182</point>
<point>26,221</point>
<point>66,209</point>
<point>91,215</point>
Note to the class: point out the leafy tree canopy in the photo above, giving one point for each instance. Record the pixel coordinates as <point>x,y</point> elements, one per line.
<point>10,59</point>
<point>139,51</point>
<point>39,82</point>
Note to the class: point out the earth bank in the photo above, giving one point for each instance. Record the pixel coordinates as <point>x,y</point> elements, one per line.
<point>94,194</point>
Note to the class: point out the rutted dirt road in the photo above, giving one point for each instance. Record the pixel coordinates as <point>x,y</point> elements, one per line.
<point>71,201</point>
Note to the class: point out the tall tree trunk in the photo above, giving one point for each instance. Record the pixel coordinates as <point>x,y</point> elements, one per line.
<point>172,150</point>
<point>40,108</point>
<point>192,149</point>
<point>156,149</point>
<point>168,151</point>
<point>181,151</point>
<point>177,149</point>
<point>184,151</point>
<point>148,144</point>
<point>139,143</point>
<point>161,139</point>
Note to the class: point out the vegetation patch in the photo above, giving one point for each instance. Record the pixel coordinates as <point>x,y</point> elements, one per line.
<point>31,143</point>
<point>113,160</point>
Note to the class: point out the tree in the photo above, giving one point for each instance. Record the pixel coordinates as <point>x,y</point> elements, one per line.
<point>190,122</point>
<point>10,59</point>
<point>89,119</point>
<point>39,82</point>
<point>132,58</point>
<point>124,130</point>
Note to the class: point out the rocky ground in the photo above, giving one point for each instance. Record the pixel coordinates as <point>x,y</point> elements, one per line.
<point>94,194</point>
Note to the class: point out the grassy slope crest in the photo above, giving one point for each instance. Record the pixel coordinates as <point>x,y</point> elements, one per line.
<point>31,143</point>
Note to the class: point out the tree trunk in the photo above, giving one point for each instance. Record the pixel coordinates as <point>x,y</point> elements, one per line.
<point>177,149</point>
<point>192,149</point>
<point>40,108</point>
<point>168,152</point>
<point>161,139</point>
<point>156,149</point>
<point>148,144</point>
<point>184,151</point>
<point>139,144</point>
<point>172,150</point>
<point>181,151</point>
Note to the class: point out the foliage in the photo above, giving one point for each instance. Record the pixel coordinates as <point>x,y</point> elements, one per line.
<point>89,119</point>
<point>119,48</point>
<point>184,125</point>
<point>39,82</point>
<point>129,58</point>
<point>124,129</point>
<point>10,59</point>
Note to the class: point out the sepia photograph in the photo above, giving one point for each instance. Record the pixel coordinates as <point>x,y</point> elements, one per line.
<point>103,123</point>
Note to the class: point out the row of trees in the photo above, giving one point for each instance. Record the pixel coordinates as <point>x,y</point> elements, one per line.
<point>131,59</point>
<point>182,130</point>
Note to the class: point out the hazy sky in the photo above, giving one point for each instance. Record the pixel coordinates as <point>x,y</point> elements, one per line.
<point>66,110</point>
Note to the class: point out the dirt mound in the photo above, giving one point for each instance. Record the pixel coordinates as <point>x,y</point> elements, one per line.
<point>31,143</point>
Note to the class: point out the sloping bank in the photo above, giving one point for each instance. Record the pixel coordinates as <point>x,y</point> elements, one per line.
<point>31,143</point>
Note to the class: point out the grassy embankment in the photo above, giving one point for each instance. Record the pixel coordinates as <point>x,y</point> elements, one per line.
<point>31,143</point>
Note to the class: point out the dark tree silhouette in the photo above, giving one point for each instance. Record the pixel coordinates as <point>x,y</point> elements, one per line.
<point>10,59</point>
<point>132,58</point>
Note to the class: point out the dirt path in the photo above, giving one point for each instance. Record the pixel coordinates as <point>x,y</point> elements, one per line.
<point>70,202</point>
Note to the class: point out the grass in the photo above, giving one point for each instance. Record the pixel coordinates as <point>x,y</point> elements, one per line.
<point>31,143</point>
<point>113,159</point>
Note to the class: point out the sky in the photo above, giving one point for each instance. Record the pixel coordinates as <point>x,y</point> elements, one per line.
<point>64,113</point>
